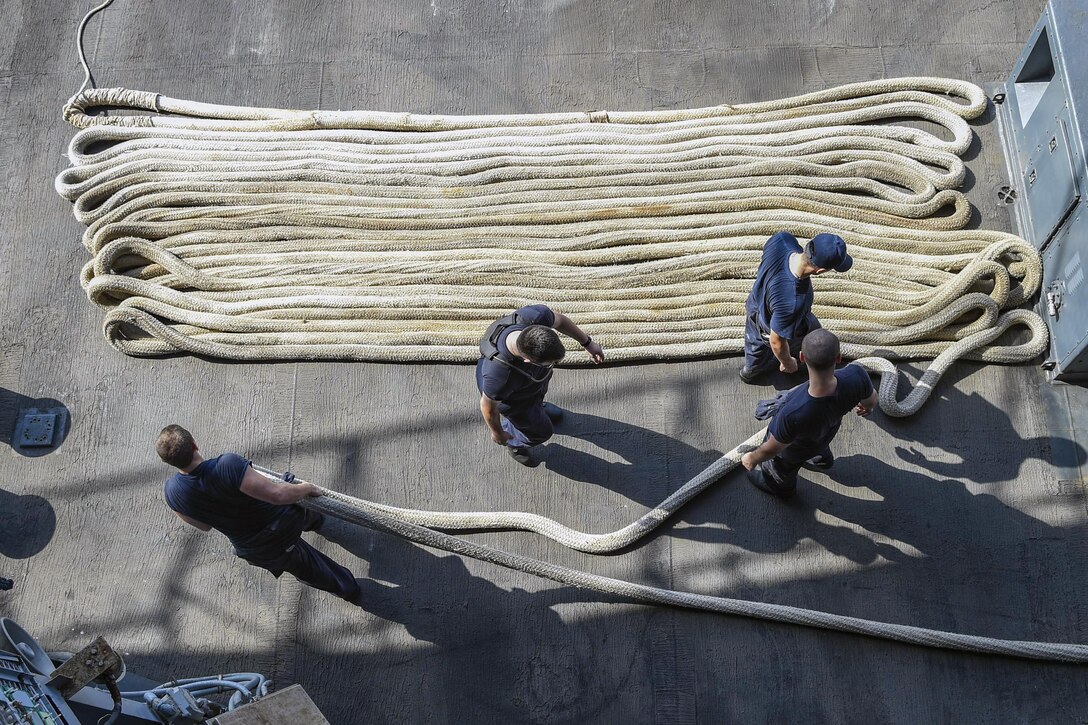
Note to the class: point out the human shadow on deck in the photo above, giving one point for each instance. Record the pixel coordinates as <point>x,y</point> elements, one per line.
<point>881,512</point>
<point>435,597</point>
<point>884,510</point>
<point>27,524</point>
<point>969,560</point>
<point>973,438</point>
<point>651,460</point>
<point>516,636</point>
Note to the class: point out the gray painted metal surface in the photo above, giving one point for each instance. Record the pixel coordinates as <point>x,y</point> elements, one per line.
<point>26,696</point>
<point>289,706</point>
<point>1064,270</point>
<point>971,515</point>
<point>1041,128</point>
<point>1044,124</point>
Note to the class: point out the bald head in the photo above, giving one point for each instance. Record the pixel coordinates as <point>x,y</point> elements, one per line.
<point>821,350</point>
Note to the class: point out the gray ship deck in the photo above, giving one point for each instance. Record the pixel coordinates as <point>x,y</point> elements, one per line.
<point>969,516</point>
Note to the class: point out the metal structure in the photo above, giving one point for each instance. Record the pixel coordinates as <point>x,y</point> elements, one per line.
<point>24,697</point>
<point>1043,117</point>
<point>39,688</point>
<point>39,431</point>
<point>290,705</point>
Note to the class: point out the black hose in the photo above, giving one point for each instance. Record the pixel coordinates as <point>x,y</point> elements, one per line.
<point>115,693</point>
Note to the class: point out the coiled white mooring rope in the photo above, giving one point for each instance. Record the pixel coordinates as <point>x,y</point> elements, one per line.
<point>252,234</point>
<point>249,234</point>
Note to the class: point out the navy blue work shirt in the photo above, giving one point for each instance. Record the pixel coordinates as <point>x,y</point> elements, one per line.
<point>508,383</point>
<point>211,494</point>
<point>779,301</point>
<point>809,424</point>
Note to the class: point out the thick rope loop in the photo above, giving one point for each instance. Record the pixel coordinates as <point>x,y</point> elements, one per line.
<point>257,233</point>
<point>934,93</point>
<point>427,527</point>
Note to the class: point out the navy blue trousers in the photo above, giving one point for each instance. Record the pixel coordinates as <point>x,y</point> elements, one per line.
<point>758,356</point>
<point>526,422</point>
<point>303,561</point>
<point>783,468</point>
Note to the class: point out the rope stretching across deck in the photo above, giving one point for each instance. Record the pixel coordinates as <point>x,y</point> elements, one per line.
<point>251,234</point>
<point>349,509</point>
<point>419,526</point>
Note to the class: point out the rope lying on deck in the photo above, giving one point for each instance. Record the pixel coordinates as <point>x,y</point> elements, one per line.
<point>250,233</point>
<point>335,505</point>
<point>260,233</point>
<point>418,526</point>
<point>616,540</point>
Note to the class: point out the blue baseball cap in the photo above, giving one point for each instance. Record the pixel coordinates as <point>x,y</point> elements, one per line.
<point>829,252</point>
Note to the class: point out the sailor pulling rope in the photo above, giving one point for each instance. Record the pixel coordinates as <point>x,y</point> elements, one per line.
<point>249,233</point>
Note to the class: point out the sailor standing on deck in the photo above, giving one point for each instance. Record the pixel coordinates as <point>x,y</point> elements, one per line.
<point>779,308</point>
<point>260,517</point>
<point>807,418</point>
<point>517,354</point>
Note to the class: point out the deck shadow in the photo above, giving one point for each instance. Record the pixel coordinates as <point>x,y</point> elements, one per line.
<point>649,458</point>
<point>27,524</point>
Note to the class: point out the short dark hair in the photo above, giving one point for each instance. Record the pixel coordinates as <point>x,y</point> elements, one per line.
<point>175,446</point>
<point>821,349</point>
<point>541,344</point>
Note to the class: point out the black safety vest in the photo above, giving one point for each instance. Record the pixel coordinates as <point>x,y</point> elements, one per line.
<point>489,344</point>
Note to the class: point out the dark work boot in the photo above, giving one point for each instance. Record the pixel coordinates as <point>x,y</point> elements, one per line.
<point>766,483</point>
<point>520,454</point>
<point>749,375</point>
<point>817,464</point>
<point>554,412</point>
<point>820,462</point>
